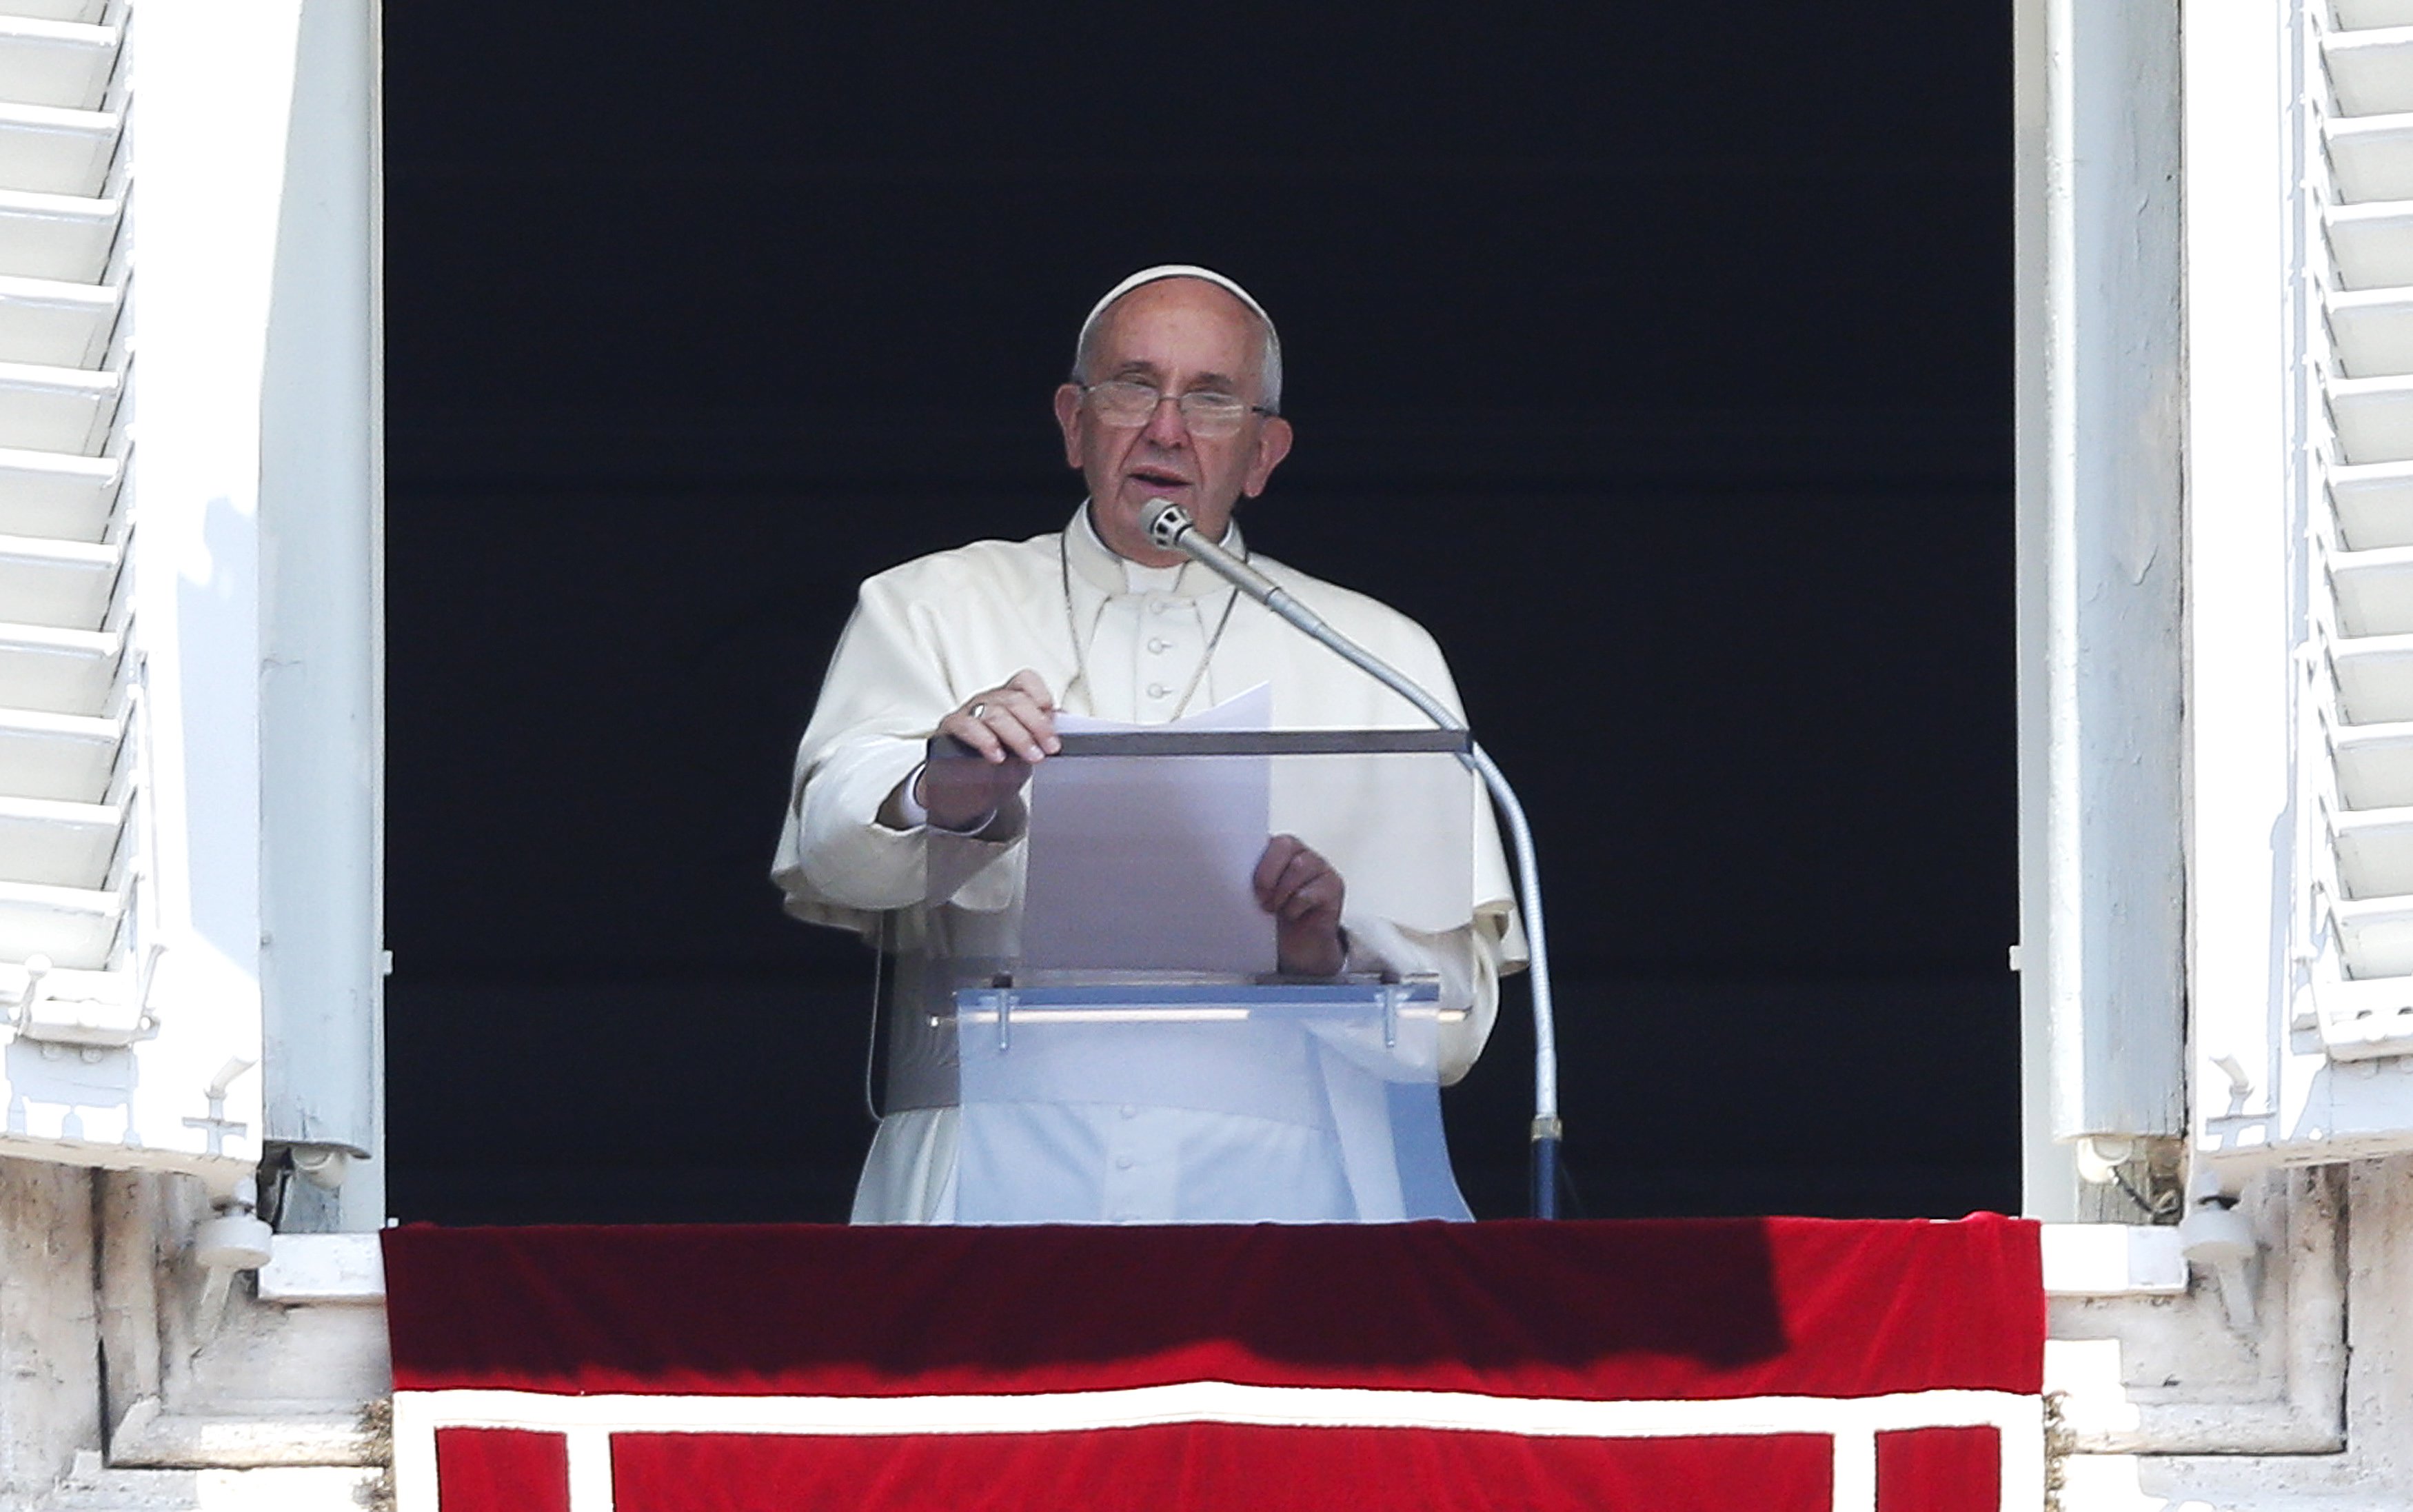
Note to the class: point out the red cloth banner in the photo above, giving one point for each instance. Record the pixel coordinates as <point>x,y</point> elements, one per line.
<point>1656,1366</point>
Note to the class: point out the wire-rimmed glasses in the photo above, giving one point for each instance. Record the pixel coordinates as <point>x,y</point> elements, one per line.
<point>1123,403</point>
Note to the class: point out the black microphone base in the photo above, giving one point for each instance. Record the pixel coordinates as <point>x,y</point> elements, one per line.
<point>1545,1177</point>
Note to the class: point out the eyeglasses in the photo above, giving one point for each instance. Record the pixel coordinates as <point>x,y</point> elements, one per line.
<point>1122,402</point>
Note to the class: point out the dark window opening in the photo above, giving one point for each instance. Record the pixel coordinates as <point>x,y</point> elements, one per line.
<point>1661,369</point>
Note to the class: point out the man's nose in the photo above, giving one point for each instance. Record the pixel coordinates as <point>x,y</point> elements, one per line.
<point>1166,426</point>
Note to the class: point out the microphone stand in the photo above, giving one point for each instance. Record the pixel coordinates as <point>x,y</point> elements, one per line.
<point>1169,528</point>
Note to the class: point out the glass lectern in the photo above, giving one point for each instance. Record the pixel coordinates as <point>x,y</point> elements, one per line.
<point>1103,999</point>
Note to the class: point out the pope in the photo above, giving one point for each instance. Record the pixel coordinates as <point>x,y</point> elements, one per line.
<point>1175,394</point>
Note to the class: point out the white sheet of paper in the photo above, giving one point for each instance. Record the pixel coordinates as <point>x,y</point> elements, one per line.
<point>1143,863</point>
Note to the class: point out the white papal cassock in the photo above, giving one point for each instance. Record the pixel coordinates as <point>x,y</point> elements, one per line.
<point>923,639</point>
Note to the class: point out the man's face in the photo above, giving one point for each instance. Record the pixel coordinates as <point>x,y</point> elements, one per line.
<point>1180,336</point>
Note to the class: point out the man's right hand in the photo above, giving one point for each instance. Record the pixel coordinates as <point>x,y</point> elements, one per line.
<point>1010,729</point>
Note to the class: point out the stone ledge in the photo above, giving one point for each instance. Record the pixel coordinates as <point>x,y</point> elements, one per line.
<point>2145,1370</point>
<point>151,1439</point>
<point>94,1487</point>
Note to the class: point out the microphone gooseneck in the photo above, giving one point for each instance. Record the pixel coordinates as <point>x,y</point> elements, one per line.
<point>1170,528</point>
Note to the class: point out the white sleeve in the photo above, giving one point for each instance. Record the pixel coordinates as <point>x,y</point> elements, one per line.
<point>835,850</point>
<point>885,691</point>
<point>1467,961</point>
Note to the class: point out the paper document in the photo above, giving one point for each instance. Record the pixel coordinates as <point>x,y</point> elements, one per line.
<point>1143,863</point>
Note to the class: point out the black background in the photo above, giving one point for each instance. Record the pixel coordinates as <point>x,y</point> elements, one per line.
<point>1669,350</point>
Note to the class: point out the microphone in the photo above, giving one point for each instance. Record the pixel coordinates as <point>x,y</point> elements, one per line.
<point>1170,528</point>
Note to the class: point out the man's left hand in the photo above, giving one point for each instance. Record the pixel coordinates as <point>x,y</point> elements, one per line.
<point>1303,892</point>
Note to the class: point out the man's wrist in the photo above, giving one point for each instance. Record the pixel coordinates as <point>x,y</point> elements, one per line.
<point>917,816</point>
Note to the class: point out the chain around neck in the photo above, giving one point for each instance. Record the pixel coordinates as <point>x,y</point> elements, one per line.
<point>1080,642</point>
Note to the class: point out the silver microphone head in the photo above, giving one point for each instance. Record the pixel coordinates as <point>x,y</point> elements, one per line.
<point>1166,521</point>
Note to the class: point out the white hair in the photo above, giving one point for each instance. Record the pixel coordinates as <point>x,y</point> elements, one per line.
<point>1269,363</point>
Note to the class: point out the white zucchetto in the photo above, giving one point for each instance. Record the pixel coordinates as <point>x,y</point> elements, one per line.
<point>1273,364</point>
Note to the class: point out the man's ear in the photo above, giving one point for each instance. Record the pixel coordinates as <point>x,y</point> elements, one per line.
<point>1068,420</point>
<point>1273,444</point>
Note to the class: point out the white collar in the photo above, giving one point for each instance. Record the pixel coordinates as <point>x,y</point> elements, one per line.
<point>1102,569</point>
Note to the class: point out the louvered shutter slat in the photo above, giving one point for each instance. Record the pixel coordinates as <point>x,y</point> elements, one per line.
<point>2374,504</point>
<point>58,844</point>
<point>2371,160</point>
<point>58,63</point>
<point>60,756</point>
<point>2371,69</point>
<point>2375,591</point>
<point>2373,331</point>
<point>58,670</point>
<point>2372,246</point>
<point>47,150</point>
<point>2374,418</point>
<point>68,584</point>
<point>56,236</point>
<point>55,409</point>
<point>76,928</point>
<point>76,11</point>
<point>2372,15</point>
<point>2375,850</point>
<point>2375,765</point>
<point>56,497</point>
<point>2375,679</point>
<point>2379,936</point>
<point>54,323</point>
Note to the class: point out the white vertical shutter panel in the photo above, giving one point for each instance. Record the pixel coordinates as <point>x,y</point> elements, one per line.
<point>2298,180</point>
<point>129,665</point>
<point>66,771</point>
<point>2359,766</point>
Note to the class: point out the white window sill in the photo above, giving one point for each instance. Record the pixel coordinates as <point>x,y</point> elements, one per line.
<point>2079,1260</point>
<point>323,1270</point>
<point>2112,1260</point>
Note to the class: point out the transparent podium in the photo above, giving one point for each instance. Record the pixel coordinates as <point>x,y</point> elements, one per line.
<point>1103,999</point>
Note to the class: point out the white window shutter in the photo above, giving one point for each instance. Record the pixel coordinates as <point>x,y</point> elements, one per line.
<point>2299,205</point>
<point>2361,996</point>
<point>136,263</point>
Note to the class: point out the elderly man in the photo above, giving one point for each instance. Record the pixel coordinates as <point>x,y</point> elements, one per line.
<point>1176,395</point>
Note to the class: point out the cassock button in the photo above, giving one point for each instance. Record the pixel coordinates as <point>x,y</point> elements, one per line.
<point>1157,606</point>
<point>1123,1162</point>
<point>1160,646</point>
<point>1129,1112</point>
<point>1158,690</point>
